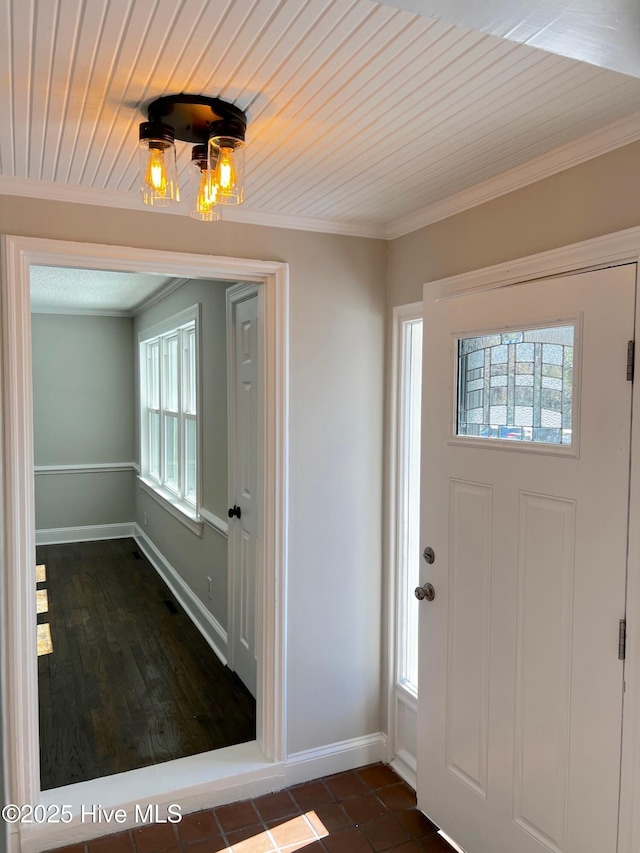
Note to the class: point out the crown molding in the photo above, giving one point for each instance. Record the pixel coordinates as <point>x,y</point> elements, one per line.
<point>592,145</point>
<point>49,191</point>
<point>615,135</point>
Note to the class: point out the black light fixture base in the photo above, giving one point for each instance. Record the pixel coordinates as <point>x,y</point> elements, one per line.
<point>192,117</point>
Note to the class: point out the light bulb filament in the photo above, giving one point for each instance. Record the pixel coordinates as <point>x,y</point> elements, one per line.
<point>156,174</point>
<point>225,171</point>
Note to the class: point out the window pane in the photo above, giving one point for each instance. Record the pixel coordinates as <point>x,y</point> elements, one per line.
<point>190,459</point>
<point>171,451</point>
<point>153,375</point>
<point>154,444</point>
<point>171,374</point>
<point>410,506</point>
<point>517,385</point>
<point>189,372</point>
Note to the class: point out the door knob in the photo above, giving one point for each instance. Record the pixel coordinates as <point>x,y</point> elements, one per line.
<point>235,510</point>
<point>427,591</point>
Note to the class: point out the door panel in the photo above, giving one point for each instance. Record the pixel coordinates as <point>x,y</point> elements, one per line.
<point>520,687</point>
<point>243,532</point>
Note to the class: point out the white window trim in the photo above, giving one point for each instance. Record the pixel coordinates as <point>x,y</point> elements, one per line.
<point>180,508</point>
<point>401,697</point>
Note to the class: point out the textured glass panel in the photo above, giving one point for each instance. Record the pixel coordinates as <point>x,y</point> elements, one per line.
<point>550,382</point>
<point>476,359</point>
<point>498,415</point>
<point>171,451</point>
<point>499,354</point>
<point>552,354</point>
<point>523,396</point>
<point>524,352</point>
<point>499,396</point>
<point>550,419</point>
<point>523,416</point>
<point>524,392</point>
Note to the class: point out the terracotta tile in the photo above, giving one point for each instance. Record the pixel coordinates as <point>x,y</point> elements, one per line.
<point>417,823</point>
<point>197,826</point>
<point>311,794</point>
<point>378,775</point>
<point>292,831</point>
<point>365,808</point>
<point>153,838</point>
<point>237,816</point>
<point>276,806</point>
<point>251,839</point>
<point>210,845</point>
<point>385,832</point>
<point>119,843</point>
<point>397,797</point>
<point>314,847</point>
<point>328,819</point>
<point>345,785</point>
<point>73,848</point>
<point>349,841</point>
<point>407,847</point>
<point>434,844</point>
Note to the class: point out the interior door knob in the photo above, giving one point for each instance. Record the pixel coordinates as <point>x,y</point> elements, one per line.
<point>427,591</point>
<point>235,511</point>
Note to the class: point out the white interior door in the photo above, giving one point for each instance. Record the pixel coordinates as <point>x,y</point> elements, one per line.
<point>243,530</point>
<point>521,688</point>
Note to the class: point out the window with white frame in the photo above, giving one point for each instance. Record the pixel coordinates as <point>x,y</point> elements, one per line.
<point>408,501</point>
<point>170,408</point>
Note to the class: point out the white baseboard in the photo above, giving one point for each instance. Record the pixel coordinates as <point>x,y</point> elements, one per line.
<point>90,533</point>
<point>198,782</point>
<point>405,766</point>
<point>207,624</point>
<point>334,758</point>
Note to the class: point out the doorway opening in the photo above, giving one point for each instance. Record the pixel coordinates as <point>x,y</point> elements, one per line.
<point>215,776</point>
<point>129,373</point>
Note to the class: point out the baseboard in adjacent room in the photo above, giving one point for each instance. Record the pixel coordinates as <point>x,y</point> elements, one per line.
<point>334,758</point>
<point>205,622</point>
<point>89,533</point>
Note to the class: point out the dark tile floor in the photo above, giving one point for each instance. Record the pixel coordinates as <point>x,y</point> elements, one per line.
<point>365,810</point>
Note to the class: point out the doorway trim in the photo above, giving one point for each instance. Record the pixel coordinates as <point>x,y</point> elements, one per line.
<point>610,250</point>
<point>18,548</point>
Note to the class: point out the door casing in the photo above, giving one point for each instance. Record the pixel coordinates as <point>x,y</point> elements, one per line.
<point>19,661</point>
<point>622,247</point>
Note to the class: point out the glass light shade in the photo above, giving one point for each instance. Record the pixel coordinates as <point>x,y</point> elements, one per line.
<point>226,162</point>
<point>158,172</point>
<point>204,193</point>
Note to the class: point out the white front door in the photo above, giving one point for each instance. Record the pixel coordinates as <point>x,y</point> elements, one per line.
<point>521,688</point>
<point>242,329</point>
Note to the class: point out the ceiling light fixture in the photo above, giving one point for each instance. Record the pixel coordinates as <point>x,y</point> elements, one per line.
<point>217,131</point>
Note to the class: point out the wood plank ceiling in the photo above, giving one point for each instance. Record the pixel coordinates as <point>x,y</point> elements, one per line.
<point>359,113</point>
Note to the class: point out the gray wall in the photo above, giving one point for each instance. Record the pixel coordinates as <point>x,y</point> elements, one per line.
<point>337,303</point>
<point>83,413</point>
<point>196,558</point>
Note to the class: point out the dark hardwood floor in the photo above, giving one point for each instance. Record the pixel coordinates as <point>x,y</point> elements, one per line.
<point>129,681</point>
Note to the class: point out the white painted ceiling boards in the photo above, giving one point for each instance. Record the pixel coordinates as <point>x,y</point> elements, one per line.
<point>363,117</point>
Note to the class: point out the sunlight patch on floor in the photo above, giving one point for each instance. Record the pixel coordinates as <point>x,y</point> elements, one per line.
<point>42,601</point>
<point>45,643</point>
<point>41,573</point>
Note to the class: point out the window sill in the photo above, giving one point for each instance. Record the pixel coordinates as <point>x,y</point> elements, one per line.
<point>184,513</point>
